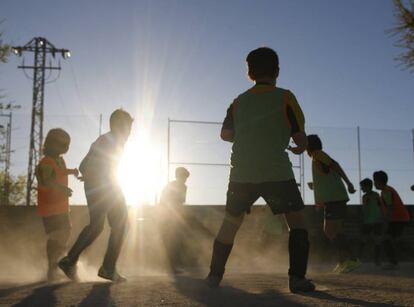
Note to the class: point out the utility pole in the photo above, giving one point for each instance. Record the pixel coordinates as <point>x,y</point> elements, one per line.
<point>41,48</point>
<point>7,151</point>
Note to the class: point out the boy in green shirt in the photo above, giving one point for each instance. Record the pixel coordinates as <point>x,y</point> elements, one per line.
<point>330,193</point>
<point>260,123</point>
<point>373,218</point>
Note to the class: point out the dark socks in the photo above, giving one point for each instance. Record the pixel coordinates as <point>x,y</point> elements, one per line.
<point>221,253</point>
<point>298,252</point>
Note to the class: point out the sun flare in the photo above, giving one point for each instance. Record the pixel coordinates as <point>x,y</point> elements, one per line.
<point>140,172</point>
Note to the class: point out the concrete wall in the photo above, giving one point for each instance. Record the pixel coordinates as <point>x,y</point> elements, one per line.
<point>261,242</point>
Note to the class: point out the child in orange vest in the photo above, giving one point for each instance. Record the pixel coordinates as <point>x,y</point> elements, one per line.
<point>53,196</point>
<point>397,216</point>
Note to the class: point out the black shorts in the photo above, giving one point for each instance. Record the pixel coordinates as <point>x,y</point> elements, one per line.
<point>57,222</point>
<point>335,210</point>
<point>395,229</point>
<point>375,229</point>
<point>281,196</point>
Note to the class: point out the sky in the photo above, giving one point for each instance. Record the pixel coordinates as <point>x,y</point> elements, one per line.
<point>186,60</point>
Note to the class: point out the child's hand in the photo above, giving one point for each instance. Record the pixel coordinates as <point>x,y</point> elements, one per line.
<point>351,188</point>
<point>74,172</point>
<point>67,191</point>
<point>80,178</point>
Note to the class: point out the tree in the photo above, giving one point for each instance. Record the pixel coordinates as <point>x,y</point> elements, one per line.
<point>404,29</point>
<point>4,49</point>
<point>14,187</point>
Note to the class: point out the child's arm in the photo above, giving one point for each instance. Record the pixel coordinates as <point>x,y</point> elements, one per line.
<point>337,168</point>
<point>227,129</point>
<point>72,171</point>
<point>297,124</point>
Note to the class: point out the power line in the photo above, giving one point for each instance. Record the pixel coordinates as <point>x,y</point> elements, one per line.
<point>41,48</point>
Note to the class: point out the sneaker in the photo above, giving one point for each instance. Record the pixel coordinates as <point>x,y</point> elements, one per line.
<point>390,266</point>
<point>69,268</point>
<point>213,281</point>
<point>338,268</point>
<point>349,266</point>
<point>111,275</point>
<point>297,284</point>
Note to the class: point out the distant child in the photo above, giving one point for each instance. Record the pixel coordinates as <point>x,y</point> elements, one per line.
<point>173,198</point>
<point>53,197</point>
<point>104,197</point>
<point>260,123</point>
<point>373,219</point>
<point>329,191</point>
<point>397,216</point>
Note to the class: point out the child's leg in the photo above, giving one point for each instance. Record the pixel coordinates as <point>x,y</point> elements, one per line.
<point>378,238</point>
<point>389,244</point>
<point>365,231</point>
<point>223,243</point>
<point>298,244</point>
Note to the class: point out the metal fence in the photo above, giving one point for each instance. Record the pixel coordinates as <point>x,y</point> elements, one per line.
<point>360,151</point>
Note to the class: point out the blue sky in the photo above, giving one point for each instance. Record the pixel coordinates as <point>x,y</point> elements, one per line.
<point>186,60</point>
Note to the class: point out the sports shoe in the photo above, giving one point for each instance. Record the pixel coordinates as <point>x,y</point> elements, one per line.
<point>297,284</point>
<point>113,276</point>
<point>349,266</point>
<point>338,267</point>
<point>69,268</point>
<point>213,281</point>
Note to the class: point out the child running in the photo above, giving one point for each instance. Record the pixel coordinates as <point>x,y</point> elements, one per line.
<point>373,219</point>
<point>397,216</point>
<point>260,123</point>
<point>53,197</point>
<point>104,197</point>
<point>329,192</point>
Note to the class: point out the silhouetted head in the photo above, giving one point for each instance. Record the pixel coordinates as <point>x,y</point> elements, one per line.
<point>181,174</point>
<point>120,124</point>
<point>314,143</point>
<point>263,64</point>
<point>380,180</point>
<point>56,143</point>
<point>366,185</point>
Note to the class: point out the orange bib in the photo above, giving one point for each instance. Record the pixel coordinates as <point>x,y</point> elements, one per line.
<point>51,201</point>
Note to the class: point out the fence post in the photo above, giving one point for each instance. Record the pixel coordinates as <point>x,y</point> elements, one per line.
<point>359,161</point>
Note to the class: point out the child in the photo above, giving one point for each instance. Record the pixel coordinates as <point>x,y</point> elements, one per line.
<point>53,196</point>
<point>172,200</point>
<point>373,218</point>
<point>330,192</point>
<point>260,123</point>
<point>104,197</point>
<point>397,216</point>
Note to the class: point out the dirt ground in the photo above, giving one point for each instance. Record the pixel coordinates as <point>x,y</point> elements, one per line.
<point>367,287</point>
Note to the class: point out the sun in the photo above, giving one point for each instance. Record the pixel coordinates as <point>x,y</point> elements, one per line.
<point>140,172</point>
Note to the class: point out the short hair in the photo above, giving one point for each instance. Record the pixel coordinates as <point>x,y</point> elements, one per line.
<point>314,142</point>
<point>366,183</point>
<point>262,62</point>
<point>54,138</point>
<point>119,117</point>
<point>381,176</point>
<point>181,172</point>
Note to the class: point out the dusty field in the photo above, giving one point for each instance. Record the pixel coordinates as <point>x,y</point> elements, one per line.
<point>368,287</point>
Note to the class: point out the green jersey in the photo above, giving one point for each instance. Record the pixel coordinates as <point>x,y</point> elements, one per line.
<point>372,208</point>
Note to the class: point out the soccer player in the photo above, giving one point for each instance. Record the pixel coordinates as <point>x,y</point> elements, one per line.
<point>397,216</point>
<point>260,123</point>
<point>53,196</point>
<point>373,219</point>
<point>104,197</point>
<point>330,193</point>
<point>173,198</point>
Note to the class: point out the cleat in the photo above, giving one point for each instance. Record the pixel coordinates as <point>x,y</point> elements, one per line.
<point>69,268</point>
<point>111,275</point>
<point>349,266</point>
<point>297,285</point>
<point>213,281</point>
